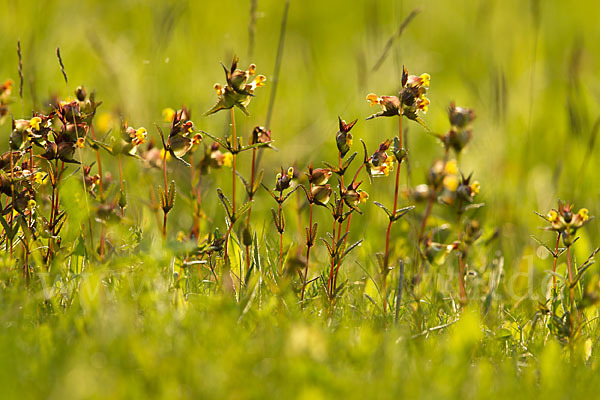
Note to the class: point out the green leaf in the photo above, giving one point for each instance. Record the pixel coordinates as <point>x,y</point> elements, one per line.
<point>351,247</point>
<point>244,208</point>
<point>218,140</point>
<point>401,212</point>
<point>384,208</point>
<point>226,203</point>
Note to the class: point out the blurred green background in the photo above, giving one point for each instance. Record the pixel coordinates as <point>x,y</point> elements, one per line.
<point>529,69</point>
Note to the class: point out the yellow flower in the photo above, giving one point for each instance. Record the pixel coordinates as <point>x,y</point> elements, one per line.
<point>196,139</point>
<point>451,182</point>
<point>140,136</point>
<point>475,188</point>
<point>35,123</point>
<point>451,168</point>
<point>552,216</point>
<point>363,196</point>
<point>583,214</point>
<point>80,142</point>
<point>40,178</point>
<point>373,99</point>
<point>228,160</point>
<point>31,204</point>
<point>168,114</point>
<point>162,155</point>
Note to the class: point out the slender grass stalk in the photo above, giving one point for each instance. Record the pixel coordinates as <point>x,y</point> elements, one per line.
<point>461,259</point>
<point>332,269</point>
<point>164,168</point>
<point>308,246</point>
<point>250,198</point>
<point>234,156</point>
<point>233,165</point>
<point>101,189</point>
<point>555,257</point>
<point>386,255</point>
<point>121,182</point>
<point>571,289</point>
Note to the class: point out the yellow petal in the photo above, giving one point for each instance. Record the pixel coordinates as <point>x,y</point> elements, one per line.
<point>583,214</point>
<point>228,160</point>
<point>363,196</point>
<point>552,216</point>
<point>425,78</point>
<point>451,168</point>
<point>35,123</point>
<point>475,188</point>
<point>451,182</point>
<point>373,99</point>
<point>168,114</point>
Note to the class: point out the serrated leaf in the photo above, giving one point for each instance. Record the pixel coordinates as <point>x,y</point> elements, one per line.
<point>291,192</point>
<point>348,161</point>
<point>226,203</point>
<point>258,180</point>
<point>473,206</point>
<point>245,183</point>
<point>313,232</point>
<point>329,248</point>
<point>244,208</point>
<point>351,247</point>
<point>384,208</point>
<point>172,194</point>
<point>276,220</point>
<point>255,146</point>
<point>341,241</point>
<point>218,140</point>
<point>401,212</point>
<point>540,242</point>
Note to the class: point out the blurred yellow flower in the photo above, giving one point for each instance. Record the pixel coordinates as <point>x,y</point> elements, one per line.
<point>168,114</point>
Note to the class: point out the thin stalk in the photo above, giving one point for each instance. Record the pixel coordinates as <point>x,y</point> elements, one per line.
<point>234,156</point>
<point>164,229</point>
<point>555,256</point>
<point>279,211</point>
<point>461,259</point>
<point>12,201</point>
<point>570,268</point>
<point>330,281</point>
<point>461,279</point>
<point>389,227</point>
<point>308,246</point>
<point>121,182</point>
<point>250,197</point>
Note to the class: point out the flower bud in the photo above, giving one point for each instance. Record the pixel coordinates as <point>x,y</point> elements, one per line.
<point>321,194</point>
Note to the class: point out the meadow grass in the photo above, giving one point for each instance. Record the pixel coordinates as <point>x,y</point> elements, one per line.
<point>146,251</point>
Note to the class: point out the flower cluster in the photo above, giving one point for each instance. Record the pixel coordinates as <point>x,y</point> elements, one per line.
<point>410,101</point>
<point>460,131</point>
<point>381,163</point>
<point>565,222</point>
<point>343,138</point>
<point>320,191</point>
<point>238,91</point>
